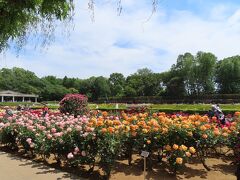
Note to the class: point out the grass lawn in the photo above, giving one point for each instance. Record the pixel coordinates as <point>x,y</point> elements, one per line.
<point>191,108</point>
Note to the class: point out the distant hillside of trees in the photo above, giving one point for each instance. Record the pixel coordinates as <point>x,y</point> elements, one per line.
<point>190,76</point>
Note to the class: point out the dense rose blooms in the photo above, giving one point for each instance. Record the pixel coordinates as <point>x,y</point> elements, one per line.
<point>53,130</point>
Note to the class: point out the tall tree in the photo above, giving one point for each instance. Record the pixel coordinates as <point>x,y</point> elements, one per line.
<point>117,82</point>
<point>205,71</point>
<point>144,82</point>
<point>193,75</point>
<point>101,88</point>
<point>228,75</point>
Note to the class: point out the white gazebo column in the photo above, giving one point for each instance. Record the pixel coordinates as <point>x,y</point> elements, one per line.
<point>35,99</point>
<point>13,99</point>
<point>23,99</point>
<point>2,98</point>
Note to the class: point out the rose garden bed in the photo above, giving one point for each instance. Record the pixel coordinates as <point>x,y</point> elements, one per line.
<point>100,142</point>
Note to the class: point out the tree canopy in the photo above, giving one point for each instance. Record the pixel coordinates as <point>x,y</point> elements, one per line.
<point>20,17</point>
<point>191,75</point>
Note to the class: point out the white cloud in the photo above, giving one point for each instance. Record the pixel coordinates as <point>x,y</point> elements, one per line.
<point>95,49</point>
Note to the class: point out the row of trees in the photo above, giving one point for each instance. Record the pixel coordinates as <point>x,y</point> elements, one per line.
<point>190,76</point>
<point>203,74</point>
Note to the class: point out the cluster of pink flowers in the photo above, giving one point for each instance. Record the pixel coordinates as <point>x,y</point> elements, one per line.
<point>51,128</point>
<point>75,153</point>
<point>80,97</point>
<point>74,104</point>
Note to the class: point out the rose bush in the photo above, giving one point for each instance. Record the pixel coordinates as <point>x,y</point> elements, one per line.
<point>74,104</point>
<point>101,138</point>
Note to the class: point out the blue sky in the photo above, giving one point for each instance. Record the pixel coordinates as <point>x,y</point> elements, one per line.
<point>132,41</point>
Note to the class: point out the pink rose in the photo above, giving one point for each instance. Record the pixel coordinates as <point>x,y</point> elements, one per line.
<point>83,153</point>
<point>29,140</point>
<point>49,136</point>
<point>70,155</point>
<point>53,130</point>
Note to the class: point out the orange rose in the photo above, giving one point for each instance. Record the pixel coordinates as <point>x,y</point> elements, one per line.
<point>111,129</point>
<point>104,113</point>
<point>99,123</point>
<point>224,134</point>
<point>188,154</point>
<point>168,147</point>
<point>203,128</point>
<point>204,136</point>
<point>175,147</point>
<point>104,130</point>
<point>216,132</point>
<point>134,134</point>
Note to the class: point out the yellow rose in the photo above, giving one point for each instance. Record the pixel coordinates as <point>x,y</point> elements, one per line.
<point>183,148</point>
<point>179,160</point>
<point>127,128</point>
<point>203,128</point>
<point>192,150</point>
<point>175,147</point>
<point>190,134</point>
<point>148,141</point>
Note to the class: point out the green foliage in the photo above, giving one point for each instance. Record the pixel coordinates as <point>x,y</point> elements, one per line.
<point>191,77</point>
<point>228,75</point>
<point>19,18</point>
<point>18,79</point>
<point>100,88</point>
<point>144,82</point>
<point>117,82</point>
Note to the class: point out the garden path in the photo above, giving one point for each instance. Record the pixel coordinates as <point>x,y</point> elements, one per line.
<point>17,168</point>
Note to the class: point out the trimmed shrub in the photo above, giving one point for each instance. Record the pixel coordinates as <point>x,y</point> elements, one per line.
<point>76,104</point>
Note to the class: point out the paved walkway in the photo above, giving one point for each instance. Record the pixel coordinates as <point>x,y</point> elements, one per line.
<point>16,168</point>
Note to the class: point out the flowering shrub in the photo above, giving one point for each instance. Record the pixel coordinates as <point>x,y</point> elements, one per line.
<point>75,104</point>
<point>137,108</point>
<point>100,138</point>
<point>177,155</point>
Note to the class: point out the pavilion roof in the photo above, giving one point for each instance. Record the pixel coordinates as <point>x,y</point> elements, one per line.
<point>16,94</point>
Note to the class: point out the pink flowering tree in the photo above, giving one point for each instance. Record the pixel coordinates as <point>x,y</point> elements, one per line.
<point>76,104</point>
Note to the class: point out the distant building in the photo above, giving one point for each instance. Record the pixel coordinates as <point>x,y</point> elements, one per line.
<point>12,96</point>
